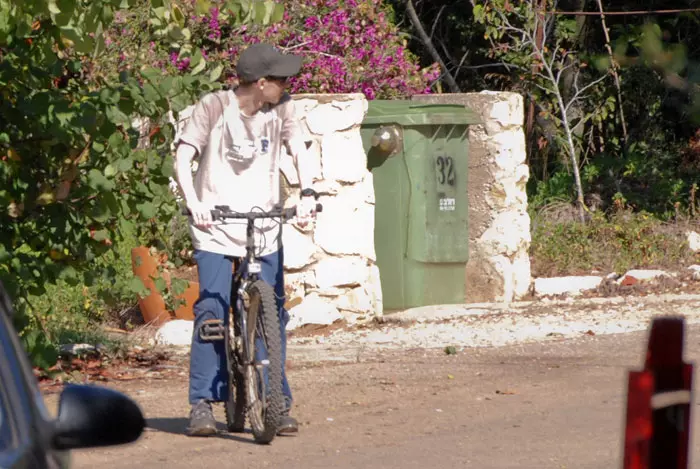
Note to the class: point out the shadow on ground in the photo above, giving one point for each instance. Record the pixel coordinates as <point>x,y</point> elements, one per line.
<point>178,426</point>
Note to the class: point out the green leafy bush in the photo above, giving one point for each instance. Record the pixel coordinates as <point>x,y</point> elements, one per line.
<point>76,172</point>
<point>616,243</point>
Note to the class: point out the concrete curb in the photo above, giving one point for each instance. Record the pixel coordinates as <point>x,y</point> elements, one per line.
<point>438,313</point>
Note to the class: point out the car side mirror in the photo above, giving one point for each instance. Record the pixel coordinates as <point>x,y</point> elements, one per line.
<point>93,416</point>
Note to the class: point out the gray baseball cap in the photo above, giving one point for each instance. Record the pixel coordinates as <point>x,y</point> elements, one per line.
<point>264,60</point>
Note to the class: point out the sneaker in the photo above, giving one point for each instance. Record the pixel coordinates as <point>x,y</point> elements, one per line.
<point>202,421</point>
<point>288,424</point>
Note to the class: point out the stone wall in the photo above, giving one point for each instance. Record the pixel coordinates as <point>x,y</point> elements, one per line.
<point>499,224</point>
<point>330,271</point>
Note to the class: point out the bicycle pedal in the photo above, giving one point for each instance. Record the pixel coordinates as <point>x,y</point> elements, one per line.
<point>212,330</point>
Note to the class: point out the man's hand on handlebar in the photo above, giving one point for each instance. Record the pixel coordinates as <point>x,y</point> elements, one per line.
<point>201,214</point>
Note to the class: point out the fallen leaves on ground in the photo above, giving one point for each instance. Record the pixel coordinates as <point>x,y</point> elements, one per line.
<point>135,364</point>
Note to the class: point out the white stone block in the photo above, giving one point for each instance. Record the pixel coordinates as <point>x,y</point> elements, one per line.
<point>337,116</point>
<point>508,234</point>
<point>696,271</point>
<point>313,310</point>
<point>345,226</point>
<point>507,108</point>
<point>357,300</point>
<point>341,272</point>
<point>289,169</point>
<point>328,187</point>
<point>304,106</point>
<point>504,272</point>
<point>642,275</point>
<point>510,149</point>
<point>294,286</point>
<point>375,285</point>
<point>299,248</point>
<point>521,269</point>
<point>693,241</point>
<point>175,332</point>
<point>566,285</point>
<point>343,156</point>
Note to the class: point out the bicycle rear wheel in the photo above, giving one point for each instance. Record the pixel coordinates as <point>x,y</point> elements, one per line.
<point>264,378</point>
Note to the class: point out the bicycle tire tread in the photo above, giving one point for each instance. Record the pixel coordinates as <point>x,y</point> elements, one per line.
<point>275,398</point>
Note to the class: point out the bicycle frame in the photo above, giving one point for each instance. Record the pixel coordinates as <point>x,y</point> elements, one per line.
<point>248,271</point>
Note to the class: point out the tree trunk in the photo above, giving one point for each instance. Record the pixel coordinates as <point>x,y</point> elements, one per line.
<point>429,45</point>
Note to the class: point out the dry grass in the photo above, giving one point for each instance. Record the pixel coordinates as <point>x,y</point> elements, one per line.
<point>608,243</point>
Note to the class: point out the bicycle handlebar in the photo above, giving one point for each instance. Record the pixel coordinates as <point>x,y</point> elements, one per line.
<point>223,211</point>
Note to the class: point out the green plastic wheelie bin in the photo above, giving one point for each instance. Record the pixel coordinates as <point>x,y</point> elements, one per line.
<point>418,156</point>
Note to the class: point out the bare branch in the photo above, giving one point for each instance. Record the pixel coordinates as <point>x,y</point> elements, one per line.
<point>543,88</point>
<point>554,55</point>
<point>549,25</point>
<point>563,69</point>
<point>291,48</point>
<point>461,62</point>
<point>324,54</point>
<point>579,93</point>
<point>497,64</point>
<point>446,52</point>
<point>544,77</point>
<point>576,77</point>
<point>616,76</point>
<point>437,18</point>
<point>429,45</point>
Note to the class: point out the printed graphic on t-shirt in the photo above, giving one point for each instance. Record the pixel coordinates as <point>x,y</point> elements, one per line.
<point>243,151</point>
<point>264,145</point>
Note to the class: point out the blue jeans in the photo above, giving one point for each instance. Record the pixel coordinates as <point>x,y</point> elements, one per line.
<point>208,373</point>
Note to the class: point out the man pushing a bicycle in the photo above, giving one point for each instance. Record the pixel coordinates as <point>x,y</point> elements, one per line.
<point>238,138</point>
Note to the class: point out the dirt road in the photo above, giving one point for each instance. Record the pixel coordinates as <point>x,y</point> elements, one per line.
<point>558,405</point>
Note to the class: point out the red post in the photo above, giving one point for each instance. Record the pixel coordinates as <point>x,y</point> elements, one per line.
<point>659,401</point>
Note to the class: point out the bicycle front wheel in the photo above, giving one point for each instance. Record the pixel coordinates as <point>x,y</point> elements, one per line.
<point>264,370</point>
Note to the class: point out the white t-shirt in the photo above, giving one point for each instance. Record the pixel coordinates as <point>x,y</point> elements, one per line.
<point>239,166</point>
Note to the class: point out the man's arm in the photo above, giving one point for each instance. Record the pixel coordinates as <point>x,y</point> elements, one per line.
<point>183,171</point>
<point>190,144</point>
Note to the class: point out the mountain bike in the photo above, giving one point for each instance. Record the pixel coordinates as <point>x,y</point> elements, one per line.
<point>252,339</point>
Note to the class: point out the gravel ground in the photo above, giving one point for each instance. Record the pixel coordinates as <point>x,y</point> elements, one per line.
<point>489,325</point>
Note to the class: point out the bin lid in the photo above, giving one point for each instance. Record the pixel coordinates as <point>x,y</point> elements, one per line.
<point>407,113</point>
